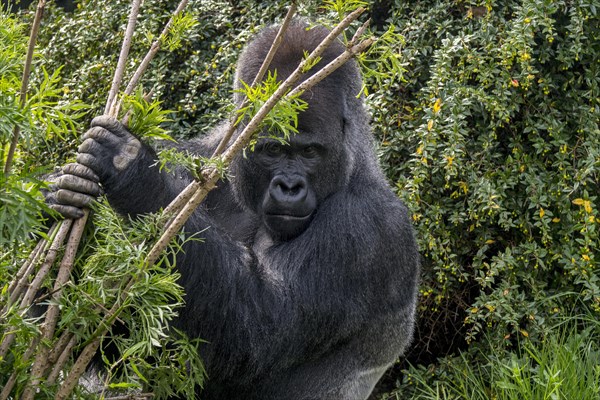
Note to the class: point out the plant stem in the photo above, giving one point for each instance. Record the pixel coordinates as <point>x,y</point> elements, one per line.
<point>154,48</point>
<point>111,108</point>
<point>18,284</point>
<point>77,370</point>
<point>35,27</point>
<point>45,268</point>
<point>332,66</point>
<point>258,78</point>
<point>41,361</point>
<point>60,362</point>
<point>37,282</point>
<point>8,386</point>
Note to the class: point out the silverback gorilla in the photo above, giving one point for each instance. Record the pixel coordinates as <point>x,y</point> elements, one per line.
<point>305,285</point>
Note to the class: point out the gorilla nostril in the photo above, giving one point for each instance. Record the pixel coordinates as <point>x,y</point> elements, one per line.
<point>288,189</point>
<point>291,190</point>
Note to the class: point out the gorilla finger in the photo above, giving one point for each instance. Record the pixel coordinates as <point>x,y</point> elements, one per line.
<point>81,171</point>
<point>112,124</point>
<point>67,211</point>
<point>81,185</point>
<point>102,136</point>
<point>74,199</point>
<point>89,161</point>
<point>91,146</point>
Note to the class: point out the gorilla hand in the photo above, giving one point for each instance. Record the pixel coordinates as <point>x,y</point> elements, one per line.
<point>126,167</point>
<point>106,156</point>
<point>108,148</point>
<point>71,189</point>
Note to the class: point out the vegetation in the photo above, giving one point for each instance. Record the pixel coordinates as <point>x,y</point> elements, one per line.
<point>490,133</point>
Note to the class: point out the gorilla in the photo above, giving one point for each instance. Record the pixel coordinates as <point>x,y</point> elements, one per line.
<point>305,284</point>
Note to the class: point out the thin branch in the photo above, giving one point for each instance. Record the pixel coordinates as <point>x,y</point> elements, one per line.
<point>37,282</point>
<point>77,370</point>
<point>21,279</point>
<point>60,362</point>
<point>359,32</point>
<point>116,83</point>
<point>35,27</point>
<point>45,268</point>
<point>60,346</point>
<point>90,349</point>
<point>9,385</point>
<point>138,396</point>
<point>52,313</point>
<point>258,78</point>
<point>332,66</point>
<point>24,270</point>
<point>154,48</point>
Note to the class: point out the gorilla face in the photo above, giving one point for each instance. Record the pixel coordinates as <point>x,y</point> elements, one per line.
<point>285,183</point>
<point>288,200</point>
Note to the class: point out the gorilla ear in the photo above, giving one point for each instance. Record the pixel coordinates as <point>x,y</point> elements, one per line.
<point>345,126</point>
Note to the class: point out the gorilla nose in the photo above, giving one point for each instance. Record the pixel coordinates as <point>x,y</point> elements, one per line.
<point>286,190</point>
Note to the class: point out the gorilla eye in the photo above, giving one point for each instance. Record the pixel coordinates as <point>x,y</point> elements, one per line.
<point>310,152</point>
<point>272,149</point>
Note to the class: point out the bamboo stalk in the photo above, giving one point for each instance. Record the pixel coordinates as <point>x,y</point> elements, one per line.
<point>35,27</point>
<point>110,108</point>
<point>37,281</point>
<point>62,359</point>
<point>259,76</point>
<point>9,385</point>
<point>41,363</point>
<point>154,48</point>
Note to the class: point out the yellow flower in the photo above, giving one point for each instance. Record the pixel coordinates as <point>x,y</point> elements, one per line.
<point>437,106</point>
<point>542,212</point>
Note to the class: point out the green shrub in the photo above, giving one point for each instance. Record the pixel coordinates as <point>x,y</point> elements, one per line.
<point>494,143</point>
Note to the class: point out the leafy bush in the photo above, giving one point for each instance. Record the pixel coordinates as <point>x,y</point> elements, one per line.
<point>494,143</point>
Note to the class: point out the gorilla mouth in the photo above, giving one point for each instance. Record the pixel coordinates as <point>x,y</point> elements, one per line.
<point>290,217</point>
<point>287,226</point>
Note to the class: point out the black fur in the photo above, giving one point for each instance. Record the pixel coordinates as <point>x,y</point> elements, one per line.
<point>305,285</point>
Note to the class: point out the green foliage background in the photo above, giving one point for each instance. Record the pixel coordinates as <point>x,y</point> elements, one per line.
<point>492,139</point>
